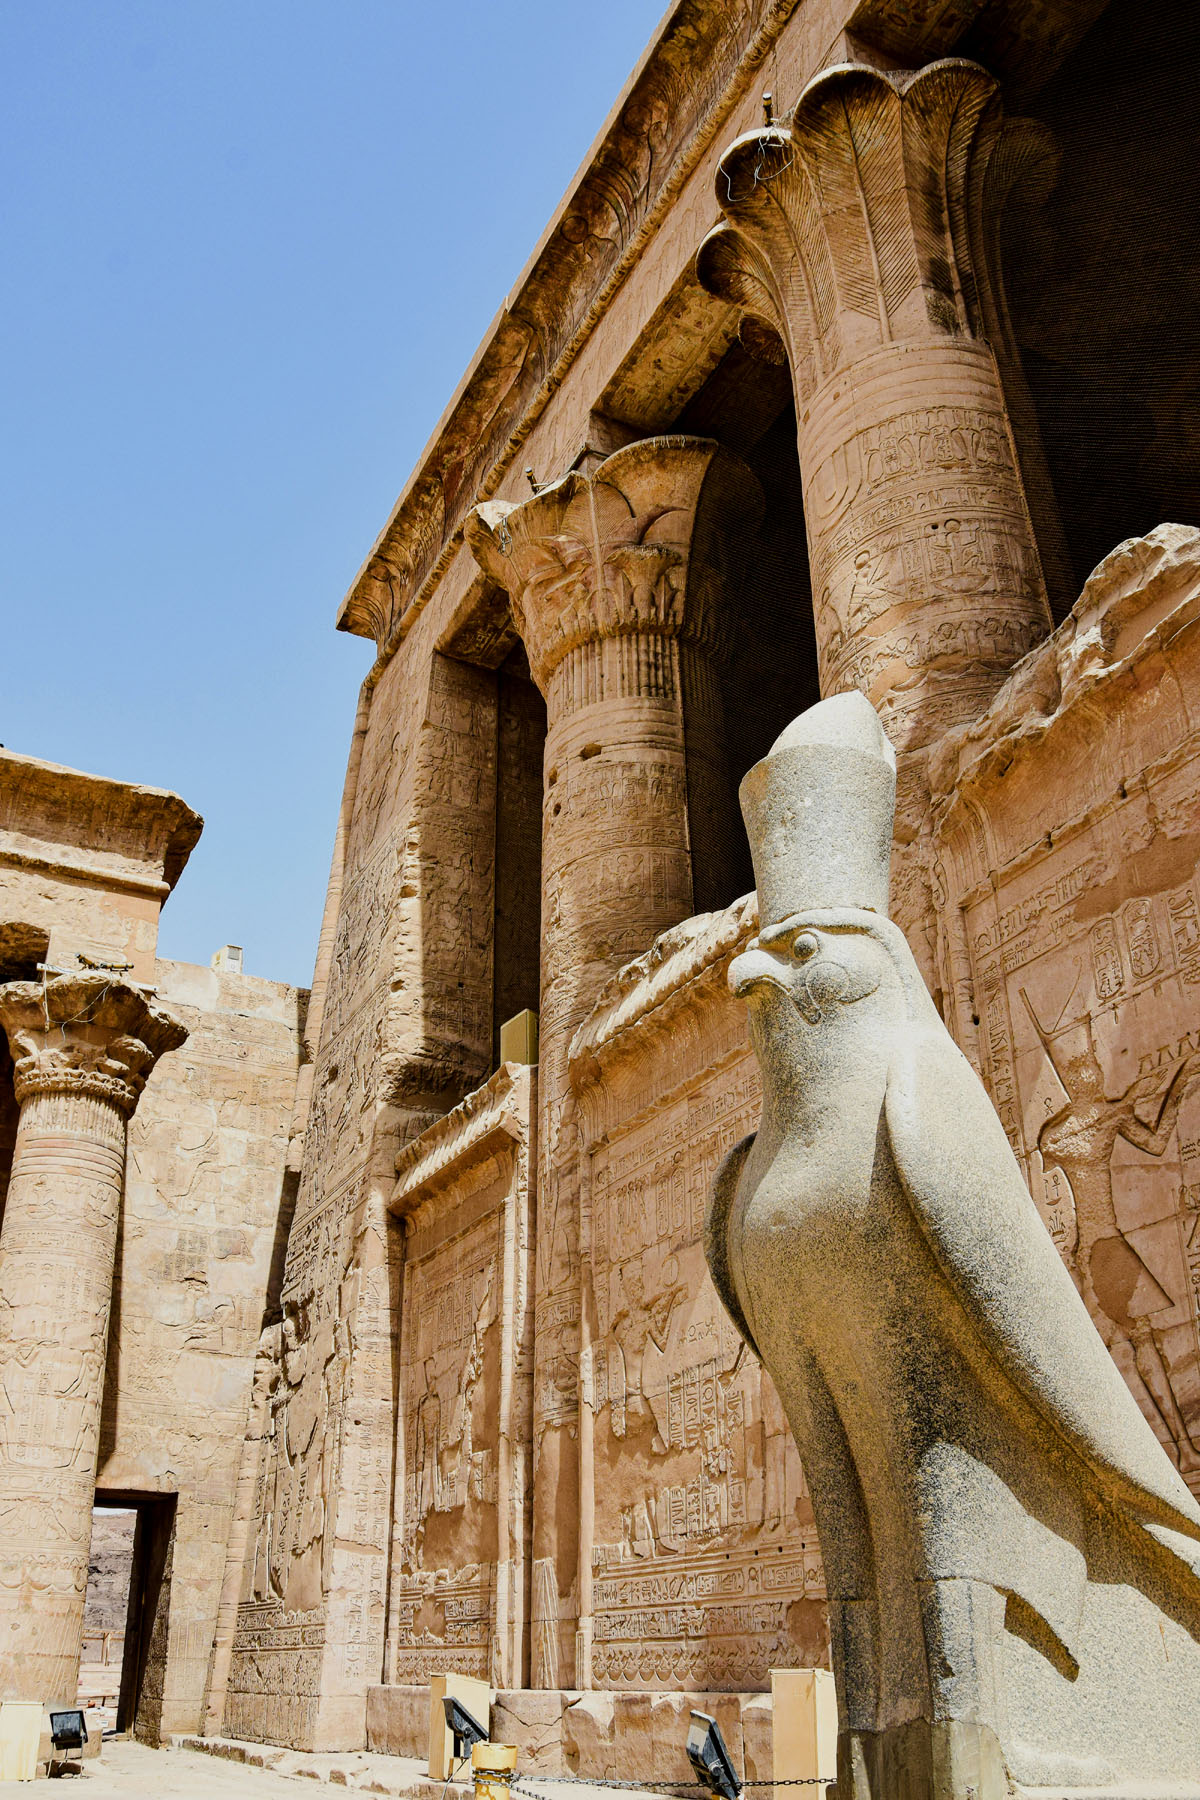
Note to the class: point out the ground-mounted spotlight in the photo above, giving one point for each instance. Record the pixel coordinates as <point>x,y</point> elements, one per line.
<point>710,1758</point>
<point>464,1725</point>
<point>68,1731</point>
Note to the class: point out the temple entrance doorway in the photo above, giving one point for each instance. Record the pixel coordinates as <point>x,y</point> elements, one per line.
<point>124,1633</point>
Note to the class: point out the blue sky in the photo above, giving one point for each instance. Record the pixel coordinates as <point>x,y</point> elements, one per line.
<point>249,249</point>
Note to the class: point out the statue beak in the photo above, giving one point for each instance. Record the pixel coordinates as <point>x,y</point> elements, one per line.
<point>756,968</point>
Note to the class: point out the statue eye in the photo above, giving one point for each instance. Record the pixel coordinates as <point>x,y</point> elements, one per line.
<point>804,946</point>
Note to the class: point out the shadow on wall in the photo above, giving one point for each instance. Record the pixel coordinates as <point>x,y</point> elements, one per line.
<point>772,673</point>
<point>1102,279</point>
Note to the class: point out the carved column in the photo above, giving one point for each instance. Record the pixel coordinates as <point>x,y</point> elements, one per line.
<point>83,1046</point>
<point>618,584</point>
<point>862,228</point>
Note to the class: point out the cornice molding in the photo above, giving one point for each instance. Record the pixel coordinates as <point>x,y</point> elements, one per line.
<point>655,985</point>
<point>141,837</point>
<point>494,1118</point>
<point>1141,598</point>
<point>694,74</point>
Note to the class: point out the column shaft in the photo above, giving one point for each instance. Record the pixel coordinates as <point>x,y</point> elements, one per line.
<point>862,229</point>
<point>82,1046</point>
<point>926,581</point>
<point>616,871</point>
<point>622,599</point>
<point>56,1264</point>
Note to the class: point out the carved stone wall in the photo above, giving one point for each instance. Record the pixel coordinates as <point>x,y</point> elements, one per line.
<point>203,1182</point>
<point>85,865</point>
<point>459,1585</point>
<point>87,861</point>
<point>406,1028</point>
<point>672,1537</point>
<point>695,1521</point>
<point>1068,843</point>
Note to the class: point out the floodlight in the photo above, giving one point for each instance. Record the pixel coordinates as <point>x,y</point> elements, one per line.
<point>465,1726</point>
<point>710,1758</point>
<point>68,1732</point>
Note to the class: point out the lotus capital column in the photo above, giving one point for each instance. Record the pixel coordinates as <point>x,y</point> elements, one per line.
<point>862,229</point>
<point>83,1047</point>
<point>621,588</point>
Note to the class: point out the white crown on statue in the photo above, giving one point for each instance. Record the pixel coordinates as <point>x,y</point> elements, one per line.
<point>818,811</point>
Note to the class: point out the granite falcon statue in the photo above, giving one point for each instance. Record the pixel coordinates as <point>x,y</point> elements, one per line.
<point>1013,1563</point>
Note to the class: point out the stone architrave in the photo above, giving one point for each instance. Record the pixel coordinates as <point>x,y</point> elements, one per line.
<point>861,228</point>
<point>1013,1563</point>
<point>83,1047</point>
<point>619,583</point>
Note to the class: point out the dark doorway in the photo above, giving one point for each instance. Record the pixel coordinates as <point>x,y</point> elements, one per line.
<point>129,1589</point>
<point>110,1563</point>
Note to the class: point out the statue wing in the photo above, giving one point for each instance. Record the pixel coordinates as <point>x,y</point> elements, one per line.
<point>716,1233</point>
<point>967,1193</point>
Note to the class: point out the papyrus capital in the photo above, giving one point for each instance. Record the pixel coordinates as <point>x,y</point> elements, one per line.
<point>91,1034</point>
<point>643,546</point>
<point>866,217</point>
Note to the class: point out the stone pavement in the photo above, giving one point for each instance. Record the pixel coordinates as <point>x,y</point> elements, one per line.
<point>227,1770</point>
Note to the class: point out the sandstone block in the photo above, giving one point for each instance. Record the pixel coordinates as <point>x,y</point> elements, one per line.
<point>398,1720</point>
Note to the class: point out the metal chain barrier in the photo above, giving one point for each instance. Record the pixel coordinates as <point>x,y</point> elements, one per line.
<point>516,1785</point>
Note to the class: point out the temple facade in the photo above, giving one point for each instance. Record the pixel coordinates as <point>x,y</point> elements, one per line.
<point>145,1113</point>
<point>860,353</point>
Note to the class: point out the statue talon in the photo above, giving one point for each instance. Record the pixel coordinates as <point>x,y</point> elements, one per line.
<point>1013,1562</point>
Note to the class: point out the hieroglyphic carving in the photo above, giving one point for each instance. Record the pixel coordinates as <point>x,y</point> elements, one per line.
<point>1078,1140</point>
<point>1084,951</point>
<point>451,1309</point>
<point>404,1018</point>
<point>861,229</point>
<point>82,1048</point>
<point>704,1556</point>
<point>458,1543</point>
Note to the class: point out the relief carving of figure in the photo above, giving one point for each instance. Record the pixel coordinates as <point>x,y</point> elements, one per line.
<point>1122,1294</point>
<point>1012,1560</point>
<point>448,1467</point>
<point>873,590</point>
<point>427,1447</point>
<point>298,1461</point>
